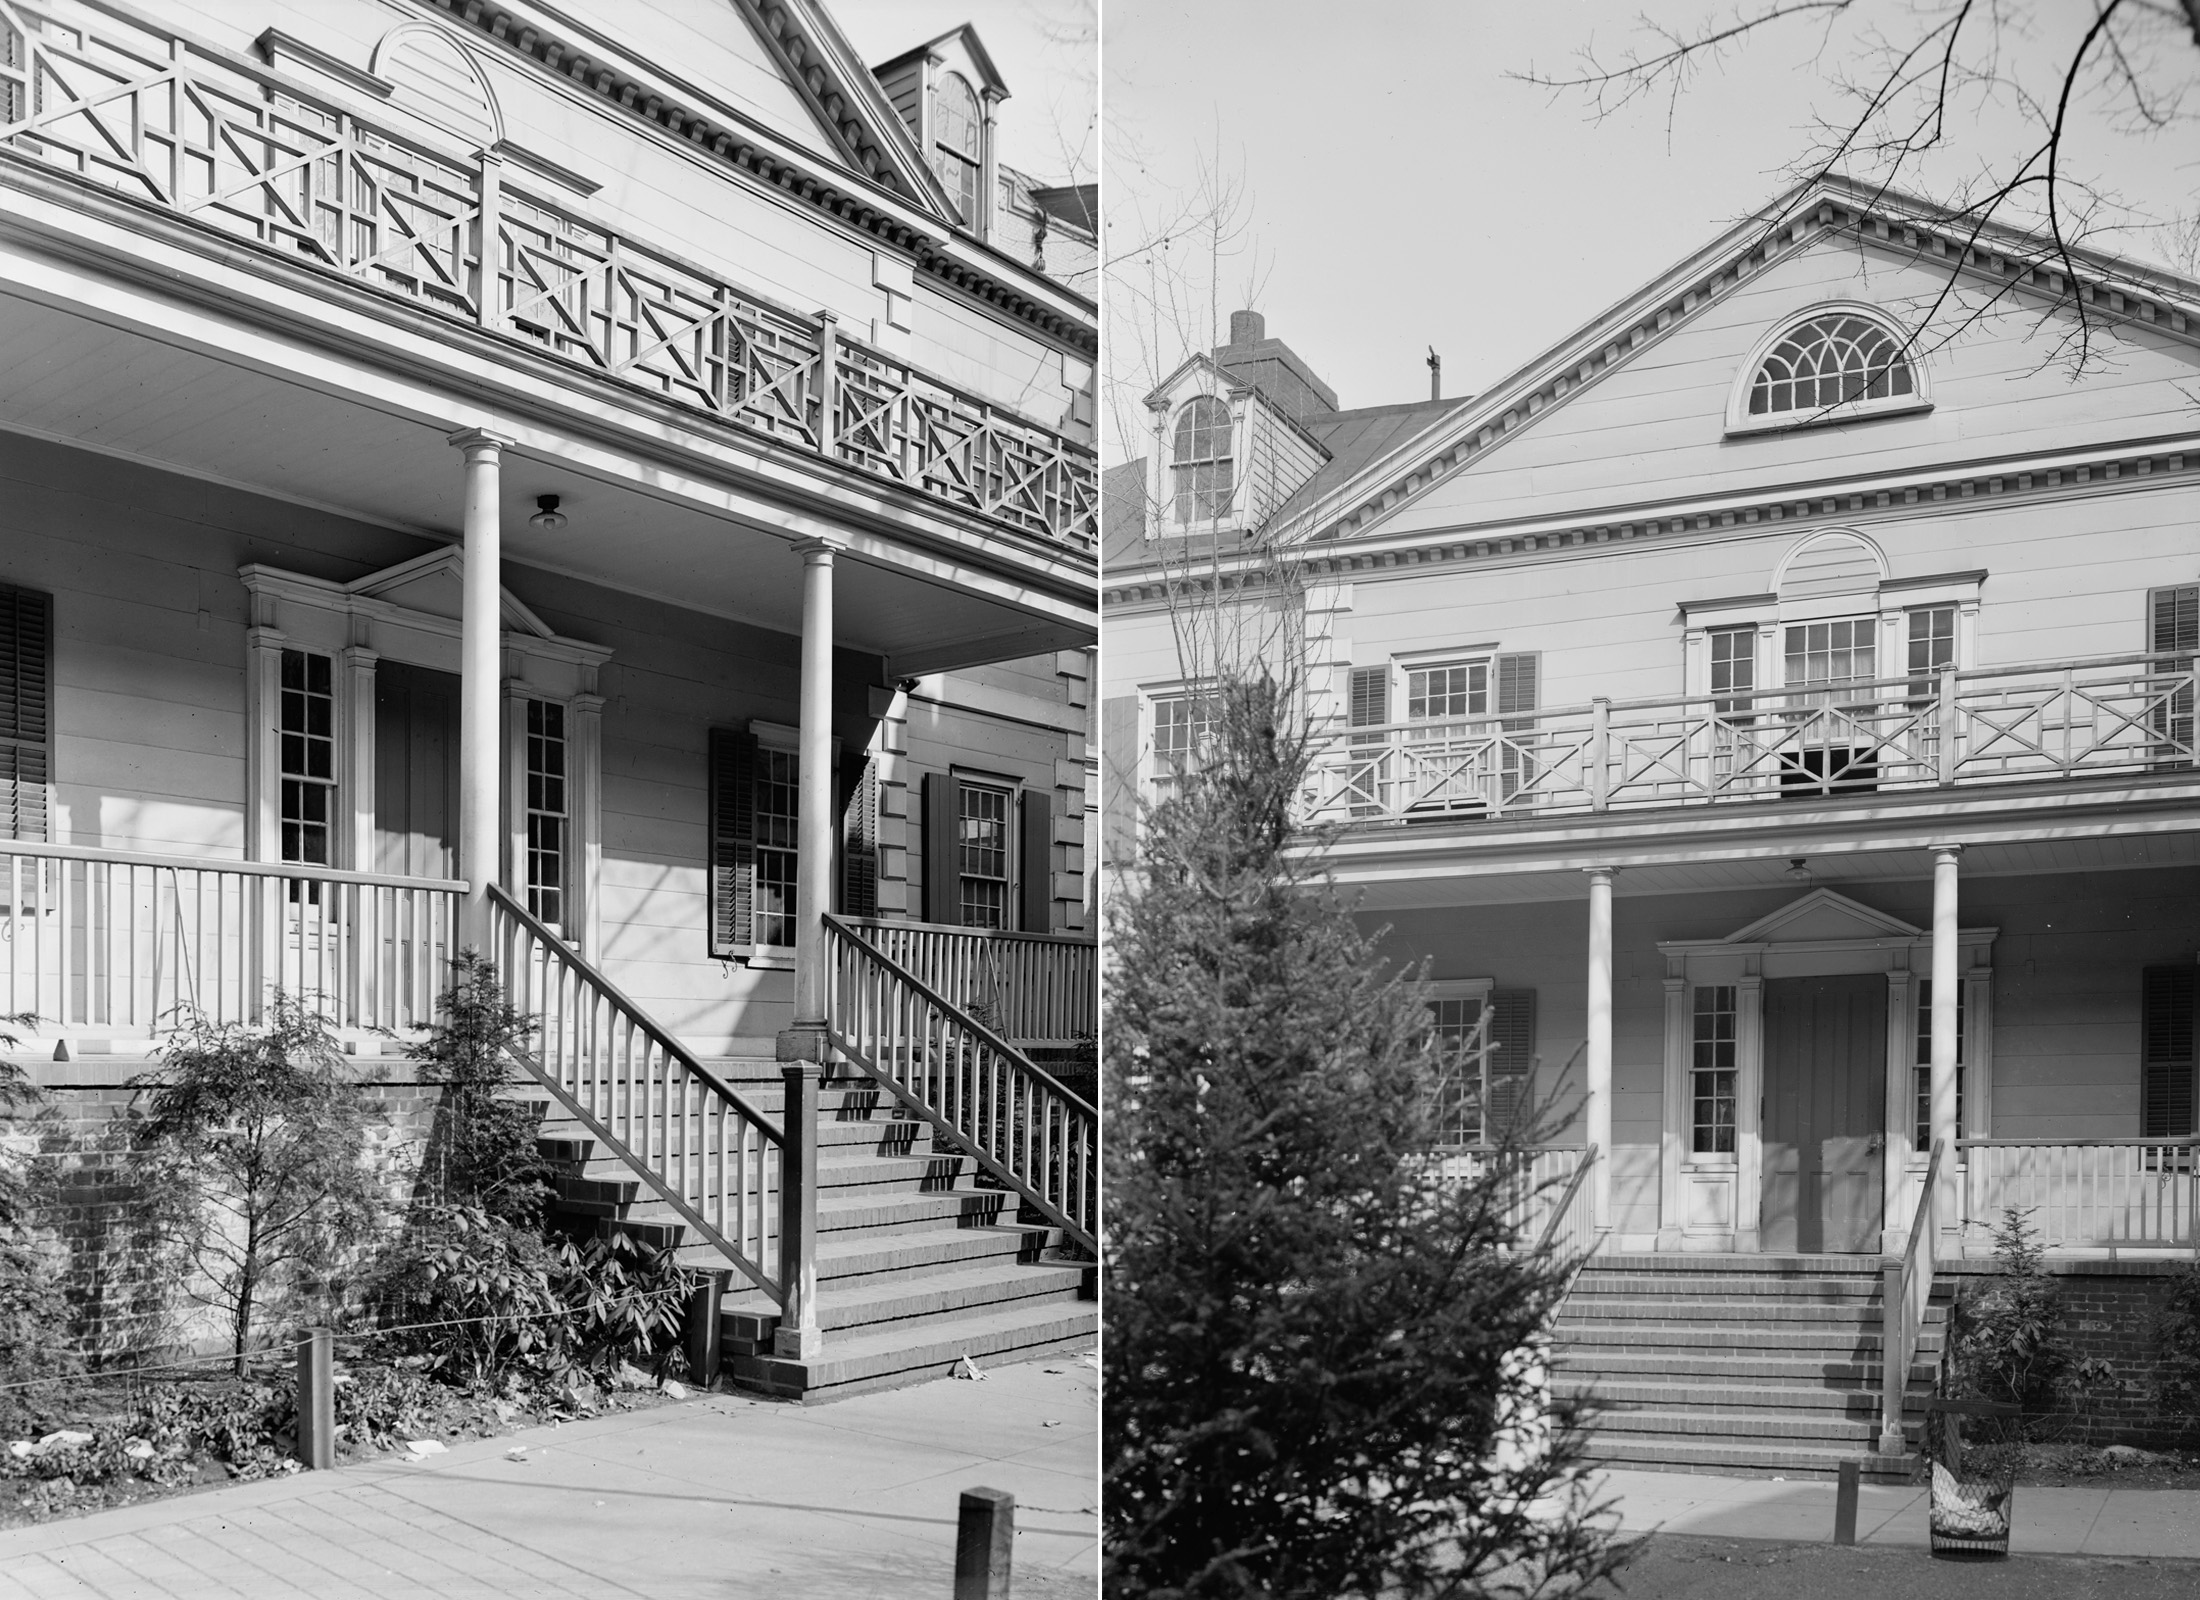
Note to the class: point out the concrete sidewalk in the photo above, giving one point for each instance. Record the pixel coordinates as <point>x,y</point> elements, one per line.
<point>2141,1523</point>
<point>721,1496</point>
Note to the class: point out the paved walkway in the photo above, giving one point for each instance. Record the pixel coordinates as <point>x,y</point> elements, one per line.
<point>721,1496</point>
<point>2143,1523</point>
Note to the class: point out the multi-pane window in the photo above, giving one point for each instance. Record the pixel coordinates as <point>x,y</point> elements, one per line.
<point>982,855</point>
<point>1458,689</point>
<point>1831,652</point>
<point>307,758</point>
<point>547,818</point>
<point>1712,1071</point>
<point>1200,459</point>
<point>776,821</point>
<point>1733,668</point>
<point>1453,1021</point>
<point>955,133</point>
<point>1925,1063</point>
<point>1485,1080</point>
<point>1838,360</point>
<point>1183,732</point>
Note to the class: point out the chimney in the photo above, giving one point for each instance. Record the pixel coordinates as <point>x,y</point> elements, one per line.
<point>1247,327</point>
<point>1435,374</point>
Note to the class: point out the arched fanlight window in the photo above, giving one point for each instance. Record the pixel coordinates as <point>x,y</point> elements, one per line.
<point>955,133</point>
<point>1841,359</point>
<point>1200,458</point>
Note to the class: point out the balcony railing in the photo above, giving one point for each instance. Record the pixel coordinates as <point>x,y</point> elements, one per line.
<point>220,140</point>
<point>2053,720</point>
<point>2083,1194</point>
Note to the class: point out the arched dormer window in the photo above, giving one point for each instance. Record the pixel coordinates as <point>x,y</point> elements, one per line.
<point>955,150</point>
<point>1828,365</point>
<point>1200,457</point>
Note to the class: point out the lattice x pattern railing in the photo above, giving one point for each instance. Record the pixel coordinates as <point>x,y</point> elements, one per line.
<point>984,1095</point>
<point>219,139</point>
<point>707,1152</point>
<point>2100,717</point>
<point>1031,988</point>
<point>2084,1194</point>
<point>126,943</point>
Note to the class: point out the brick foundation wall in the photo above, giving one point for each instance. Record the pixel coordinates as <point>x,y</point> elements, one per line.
<point>2110,1311</point>
<point>124,1298</point>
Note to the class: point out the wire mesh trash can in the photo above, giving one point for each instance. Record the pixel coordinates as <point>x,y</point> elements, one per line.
<point>1974,1487</point>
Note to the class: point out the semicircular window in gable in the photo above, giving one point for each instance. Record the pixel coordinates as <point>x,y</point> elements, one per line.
<point>437,80</point>
<point>1842,359</point>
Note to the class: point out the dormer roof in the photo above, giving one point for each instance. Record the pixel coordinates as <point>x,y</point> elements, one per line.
<point>962,39</point>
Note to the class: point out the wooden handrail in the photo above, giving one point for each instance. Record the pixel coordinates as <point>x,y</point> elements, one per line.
<point>251,869</point>
<point>992,935</point>
<point>586,1055</point>
<point>1904,1293</point>
<point>1566,1197</point>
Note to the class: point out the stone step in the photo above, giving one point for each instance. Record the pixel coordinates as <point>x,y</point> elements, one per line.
<point>889,1356</point>
<point>891,1212</point>
<point>864,1251</point>
<point>840,1168</point>
<point>923,1294</point>
<point>1746,1460</point>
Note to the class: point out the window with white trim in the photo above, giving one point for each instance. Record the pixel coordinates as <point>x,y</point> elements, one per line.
<point>778,823</point>
<point>1841,362</point>
<point>1924,1070</point>
<point>1183,737</point>
<point>982,854</point>
<point>956,131</point>
<point>548,825</point>
<point>306,741</point>
<point>1199,459</point>
<point>1485,1068</point>
<point>1712,1069</point>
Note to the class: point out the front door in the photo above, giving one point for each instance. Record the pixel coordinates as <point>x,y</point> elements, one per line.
<point>415,771</point>
<point>1825,1112</point>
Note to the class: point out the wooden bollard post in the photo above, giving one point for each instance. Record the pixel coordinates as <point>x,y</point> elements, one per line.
<point>700,1329</point>
<point>317,1400</point>
<point>985,1538</point>
<point>1844,1504</point>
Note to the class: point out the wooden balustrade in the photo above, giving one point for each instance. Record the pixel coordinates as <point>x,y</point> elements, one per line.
<point>217,138</point>
<point>126,943</point>
<point>1906,1289</point>
<point>2050,720</point>
<point>980,1092</point>
<point>2084,1194</point>
<point>710,1154</point>
<point>1031,988</point>
<point>1544,1186</point>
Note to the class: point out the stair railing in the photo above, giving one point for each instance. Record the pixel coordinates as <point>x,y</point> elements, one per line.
<point>707,1152</point>
<point>977,1090</point>
<point>1568,1227</point>
<point>1906,1290</point>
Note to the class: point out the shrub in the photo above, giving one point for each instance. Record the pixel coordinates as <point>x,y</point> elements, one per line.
<point>34,1310</point>
<point>2006,1340</point>
<point>2177,1335</point>
<point>482,1153</point>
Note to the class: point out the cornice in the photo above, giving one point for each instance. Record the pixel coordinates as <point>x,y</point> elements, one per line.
<point>2108,469</point>
<point>2122,292</point>
<point>721,134</point>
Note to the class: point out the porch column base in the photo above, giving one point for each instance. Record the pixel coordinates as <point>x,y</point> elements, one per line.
<point>804,1044</point>
<point>799,1335</point>
<point>1891,1442</point>
<point>1669,1239</point>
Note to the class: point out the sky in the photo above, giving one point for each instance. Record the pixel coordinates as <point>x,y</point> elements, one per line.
<point>1400,191</point>
<point>1046,50</point>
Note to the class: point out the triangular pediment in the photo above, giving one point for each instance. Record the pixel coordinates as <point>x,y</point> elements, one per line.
<point>1822,915</point>
<point>434,584</point>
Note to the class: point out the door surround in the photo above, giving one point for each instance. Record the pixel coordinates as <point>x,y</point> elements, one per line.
<point>1712,1202</point>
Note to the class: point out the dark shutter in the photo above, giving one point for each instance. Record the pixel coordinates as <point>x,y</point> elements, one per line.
<point>858,836</point>
<point>1370,696</point>
<point>1516,689</point>
<point>732,841</point>
<point>1516,679</point>
<point>1512,1060</point>
<point>1119,779</point>
<point>1038,862</point>
<point>2173,627</point>
<point>26,711</point>
<point>2166,1053</point>
<point>2173,618</point>
<point>941,900</point>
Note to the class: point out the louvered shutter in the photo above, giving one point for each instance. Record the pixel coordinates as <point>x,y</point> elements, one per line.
<point>858,837</point>
<point>2166,1053</point>
<point>1367,776</point>
<point>26,711</point>
<point>1370,696</point>
<point>1511,1062</point>
<point>1038,862</point>
<point>2173,628</point>
<point>1516,692</point>
<point>732,842</point>
<point>1119,779</point>
<point>941,901</point>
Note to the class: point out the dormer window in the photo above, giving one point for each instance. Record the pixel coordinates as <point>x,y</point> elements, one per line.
<point>1200,458</point>
<point>955,132</point>
<point>1828,366</point>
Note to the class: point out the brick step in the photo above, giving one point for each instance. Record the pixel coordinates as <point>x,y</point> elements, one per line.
<point>1865,1266</point>
<point>856,1363</point>
<point>1619,1397</point>
<point>1581,1307</point>
<point>1858,1337</point>
<point>1735,1285</point>
<point>1816,1431</point>
<point>1742,1460</point>
<point>1626,1361</point>
<point>914,1297</point>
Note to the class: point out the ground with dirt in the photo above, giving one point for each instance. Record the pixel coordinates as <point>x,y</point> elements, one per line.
<point>1680,1567</point>
<point>2066,1466</point>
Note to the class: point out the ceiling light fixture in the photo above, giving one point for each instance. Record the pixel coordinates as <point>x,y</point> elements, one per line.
<point>547,514</point>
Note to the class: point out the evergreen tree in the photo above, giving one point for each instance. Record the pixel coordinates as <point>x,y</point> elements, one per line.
<point>1319,1346</point>
<point>483,1151</point>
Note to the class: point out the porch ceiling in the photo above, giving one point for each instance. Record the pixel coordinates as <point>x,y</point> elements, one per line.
<point>2027,857</point>
<point>702,544</point>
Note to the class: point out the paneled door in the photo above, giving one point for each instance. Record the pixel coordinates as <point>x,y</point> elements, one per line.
<point>415,771</point>
<point>1825,1113</point>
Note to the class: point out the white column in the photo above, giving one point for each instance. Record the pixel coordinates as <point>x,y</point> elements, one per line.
<point>814,860</point>
<point>481,683</point>
<point>1945,998</point>
<point>1597,1057</point>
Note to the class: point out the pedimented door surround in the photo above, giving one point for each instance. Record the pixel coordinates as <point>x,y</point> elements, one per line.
<point>1713,1202</point>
